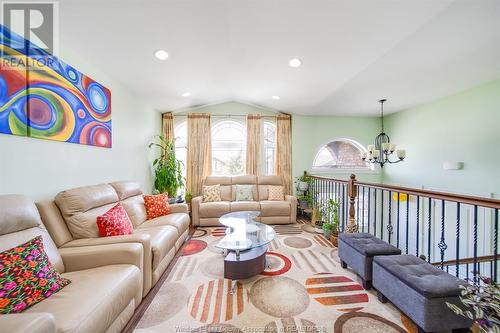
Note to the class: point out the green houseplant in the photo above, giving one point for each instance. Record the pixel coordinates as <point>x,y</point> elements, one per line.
<point>330,216</point>
<point>168,169</point>
<point>303,182</point>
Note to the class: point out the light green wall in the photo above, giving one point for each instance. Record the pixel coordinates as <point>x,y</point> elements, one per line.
<point>461,128</point>
<point>42,168</point>
<point>309,134</point>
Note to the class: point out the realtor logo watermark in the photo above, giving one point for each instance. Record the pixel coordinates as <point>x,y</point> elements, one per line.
<point>36,22</point>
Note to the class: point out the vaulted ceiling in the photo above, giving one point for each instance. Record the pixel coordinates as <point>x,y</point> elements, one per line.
<point>353,51</point>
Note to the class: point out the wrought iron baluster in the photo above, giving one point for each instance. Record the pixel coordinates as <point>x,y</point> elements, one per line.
<point>417,225</point>
<point>382,216</point>
<point>467,271</point>
<point>369,201</point>
<point>357,207</point>
<point>495,246</point>
<point>476,269</point>
<point>389,225</point>
<point>363,209</point>
<point>375,213</point>
<point>442,244</point>
<point>407,220</point>
<point>429,230</point>
<point>343,205</point>
<point>397,223</point>
<point>457,245</point>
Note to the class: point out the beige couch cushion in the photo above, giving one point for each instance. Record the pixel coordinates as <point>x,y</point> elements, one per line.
<point>126,189</point>
<point>20,222</point>
<point>84,224</point>
<point>94,298</point>
<point>274,208</point>
<point>214,209</point>
<point>264,182</point>
<point>238,206</point>
<point>178,220</point>
<point>163,239</point>
<point>136,211</point>
<point>225,186</point>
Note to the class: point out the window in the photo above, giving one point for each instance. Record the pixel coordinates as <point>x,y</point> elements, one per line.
<point>228,147</point>
<point>340,154</point>
<point>269,147</point>
<point>180,134</point>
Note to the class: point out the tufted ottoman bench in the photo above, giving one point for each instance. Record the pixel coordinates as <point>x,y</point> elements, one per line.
<point>421,291</point>
<point>358,249</point>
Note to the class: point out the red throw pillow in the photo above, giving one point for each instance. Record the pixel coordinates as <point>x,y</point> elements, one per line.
<point>156,205</point>
<point>115,222</point>
<point>27,277</point>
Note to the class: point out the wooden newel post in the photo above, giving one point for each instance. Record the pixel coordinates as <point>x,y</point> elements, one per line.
<point>353,192</point>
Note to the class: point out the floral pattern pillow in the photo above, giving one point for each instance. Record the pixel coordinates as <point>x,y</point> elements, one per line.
<point>115,222</point>
<point>211,193</point>
<point>276,193</point>
<point>244,193</point>
<point>156,205</point>
<point>27,277</point>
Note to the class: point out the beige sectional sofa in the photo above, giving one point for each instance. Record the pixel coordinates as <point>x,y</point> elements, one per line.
<point>272,212</point>
<point>106,280</point>
<point>71,221</point>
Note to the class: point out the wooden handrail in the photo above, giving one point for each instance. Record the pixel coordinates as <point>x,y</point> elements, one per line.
<point>454,197</point>
<point>464,261</point>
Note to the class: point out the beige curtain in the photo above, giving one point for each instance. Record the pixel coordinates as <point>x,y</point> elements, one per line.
<point>199,151</point>
<point>254,144</point>
<point>168,126</point>
<point>284,150</point>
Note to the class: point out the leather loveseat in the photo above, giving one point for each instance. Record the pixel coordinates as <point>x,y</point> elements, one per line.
<point>106,279</point>
<point>71,221</point>
<point>271,212</point>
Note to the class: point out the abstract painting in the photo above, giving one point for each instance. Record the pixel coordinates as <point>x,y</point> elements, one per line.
<point>43,97</point>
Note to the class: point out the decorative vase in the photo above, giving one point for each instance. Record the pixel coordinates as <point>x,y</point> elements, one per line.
<point>334,239</point>
<point>303,186</point>
<point>303,204</point>
<point>318,227</point>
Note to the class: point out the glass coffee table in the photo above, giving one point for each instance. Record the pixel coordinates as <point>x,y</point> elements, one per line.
<point>245,244</point>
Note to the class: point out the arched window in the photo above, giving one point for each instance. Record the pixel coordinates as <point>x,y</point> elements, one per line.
<point>340,154</point>
<point>269,147</point>
<point>180,133</point>
<point>228,147</point>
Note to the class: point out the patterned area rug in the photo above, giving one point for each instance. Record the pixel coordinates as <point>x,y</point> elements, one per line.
<point>304,289</point>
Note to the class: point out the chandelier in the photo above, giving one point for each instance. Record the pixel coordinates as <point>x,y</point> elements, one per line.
<point>382,150</point>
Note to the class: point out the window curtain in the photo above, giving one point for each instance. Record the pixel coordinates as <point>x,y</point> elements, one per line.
<point>283,164</point>
<point>168,126</point>
<point>199,151</point>
<point>254,144</point>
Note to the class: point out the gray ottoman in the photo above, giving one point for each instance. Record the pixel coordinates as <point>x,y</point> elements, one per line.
<point>420,290</point>
<point>358,249</point>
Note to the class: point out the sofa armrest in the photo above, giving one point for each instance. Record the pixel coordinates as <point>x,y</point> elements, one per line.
<point>37,322</point>
<point>179,208</point>
<point>293,207</point>
<point>85,257</point>
<point>195,210</point>
<point>143,239</point>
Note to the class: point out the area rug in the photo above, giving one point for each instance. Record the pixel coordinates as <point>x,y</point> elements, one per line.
<point>304,289</point>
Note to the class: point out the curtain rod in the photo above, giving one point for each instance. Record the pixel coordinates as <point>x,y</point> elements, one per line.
<point>222,115</point>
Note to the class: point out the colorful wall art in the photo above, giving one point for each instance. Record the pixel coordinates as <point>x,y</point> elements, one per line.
<point>43,97</point>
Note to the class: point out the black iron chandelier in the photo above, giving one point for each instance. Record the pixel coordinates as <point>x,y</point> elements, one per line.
<point>381,151</point>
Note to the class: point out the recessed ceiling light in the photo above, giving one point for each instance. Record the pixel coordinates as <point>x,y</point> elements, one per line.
<point>275,97</point>
<point>186,94</point>
<point>295,62</point>
<point>161,54</point>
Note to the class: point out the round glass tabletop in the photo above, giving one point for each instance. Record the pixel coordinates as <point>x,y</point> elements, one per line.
<point>243,232</point>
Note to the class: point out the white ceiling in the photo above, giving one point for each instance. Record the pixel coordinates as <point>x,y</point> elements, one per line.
<point>353,51</point>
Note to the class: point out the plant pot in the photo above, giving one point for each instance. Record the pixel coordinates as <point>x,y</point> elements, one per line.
<point>327,233</point>
<point>318,227</point>
<point>303,204</point>
<point>303,186</point>
<point>334,239</point>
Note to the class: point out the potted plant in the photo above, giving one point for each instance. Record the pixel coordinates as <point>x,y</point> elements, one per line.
<point>482,304</point>
<point>303,182</point>
<point>330,214</point>
<point>305,200</point>
<point>167,169</point>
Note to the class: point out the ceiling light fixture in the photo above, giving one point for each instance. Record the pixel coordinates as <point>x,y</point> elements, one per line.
<point>161,54</point>
<point>379,152</point>
<point>295,62</point>
<point>186,94</point>
<point>275,97</point>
